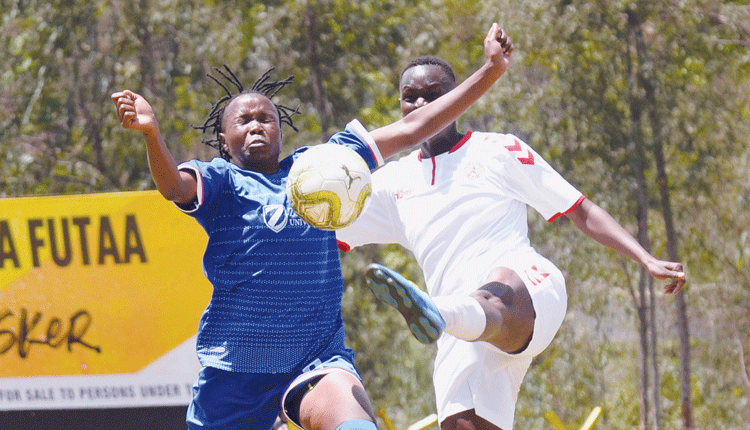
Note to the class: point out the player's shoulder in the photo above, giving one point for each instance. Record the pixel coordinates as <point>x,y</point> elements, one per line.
<point>395,171</point>
<point>215,164</point>
<point>404,162</point>
<point>490,137</point>
<point>291,158</point>
<point>494,144</point>
<point>220,171</point>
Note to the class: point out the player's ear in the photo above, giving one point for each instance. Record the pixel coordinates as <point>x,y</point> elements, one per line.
<point>223,142</point>
<point>281,137</point>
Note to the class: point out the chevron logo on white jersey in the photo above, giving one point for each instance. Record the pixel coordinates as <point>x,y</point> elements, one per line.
<point>518,150</point>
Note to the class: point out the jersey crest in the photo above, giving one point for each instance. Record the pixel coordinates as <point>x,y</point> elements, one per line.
<point>473,170</point>
<point>275,217</point>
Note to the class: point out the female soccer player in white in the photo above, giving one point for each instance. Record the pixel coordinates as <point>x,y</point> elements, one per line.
<point>459,204</point>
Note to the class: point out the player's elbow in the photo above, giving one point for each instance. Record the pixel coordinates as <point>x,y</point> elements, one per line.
<point>176,194</point>
<point>169,193</point>
<point>179,189</point>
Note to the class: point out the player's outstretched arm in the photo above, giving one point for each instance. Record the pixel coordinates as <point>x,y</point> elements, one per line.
<point>428,120</point>
<point>135,113</point>
<point>598,224</point>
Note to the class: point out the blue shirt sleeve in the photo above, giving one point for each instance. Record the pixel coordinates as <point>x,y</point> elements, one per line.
<point>210,178</point>
<point>356,137</point>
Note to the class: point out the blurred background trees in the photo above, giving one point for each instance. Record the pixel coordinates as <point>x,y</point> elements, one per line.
<point>644,106</point>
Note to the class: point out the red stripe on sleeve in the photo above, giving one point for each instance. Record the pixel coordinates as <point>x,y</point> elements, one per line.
<point>575,205</point>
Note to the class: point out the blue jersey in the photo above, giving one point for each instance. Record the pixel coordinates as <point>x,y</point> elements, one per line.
<point>276,303</point>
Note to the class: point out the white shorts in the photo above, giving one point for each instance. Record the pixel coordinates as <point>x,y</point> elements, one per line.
<point>476,375</point>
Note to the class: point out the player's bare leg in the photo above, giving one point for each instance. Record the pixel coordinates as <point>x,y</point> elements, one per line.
<point>336,398</point>
<point>467,420</point>
<point>508,310</point>
<point>499,312</point>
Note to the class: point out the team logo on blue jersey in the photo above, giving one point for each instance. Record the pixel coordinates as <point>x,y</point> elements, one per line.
<point>275,217</point>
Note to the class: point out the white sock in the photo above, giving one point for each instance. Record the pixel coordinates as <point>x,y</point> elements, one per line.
<point>463,315</point>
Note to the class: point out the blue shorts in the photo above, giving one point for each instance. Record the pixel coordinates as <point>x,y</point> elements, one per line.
<point>249,401</point>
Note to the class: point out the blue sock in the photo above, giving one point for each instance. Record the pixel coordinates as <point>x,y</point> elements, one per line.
<point>358,425</point>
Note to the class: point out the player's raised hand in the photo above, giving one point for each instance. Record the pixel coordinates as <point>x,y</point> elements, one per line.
<point>498,48</point>
<point>134,112</point>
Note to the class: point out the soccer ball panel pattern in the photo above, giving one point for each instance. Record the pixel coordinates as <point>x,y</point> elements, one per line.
<point>329,186</point>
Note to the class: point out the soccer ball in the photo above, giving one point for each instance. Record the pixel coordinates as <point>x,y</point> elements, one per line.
<point>329,185</point>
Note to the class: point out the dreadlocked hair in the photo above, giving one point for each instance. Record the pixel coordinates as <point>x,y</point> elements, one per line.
<point>212,127</point>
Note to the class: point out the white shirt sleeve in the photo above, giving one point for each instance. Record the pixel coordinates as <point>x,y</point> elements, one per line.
<point>378,223</point>
<point>533,181</point>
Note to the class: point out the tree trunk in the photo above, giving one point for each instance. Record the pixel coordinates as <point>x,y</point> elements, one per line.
<point>646,285</point>
<point>645,311</point>
<point>673,254</point>
<point>316,79</point>
<point>654,352</point>
<point>643,336</point>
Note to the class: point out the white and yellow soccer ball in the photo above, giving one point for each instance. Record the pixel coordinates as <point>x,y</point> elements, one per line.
<point>329,186</point>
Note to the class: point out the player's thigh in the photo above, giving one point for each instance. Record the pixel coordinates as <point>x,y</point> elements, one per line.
<point>337,397</point>
<point>467,420</point>
<point>546,294</point>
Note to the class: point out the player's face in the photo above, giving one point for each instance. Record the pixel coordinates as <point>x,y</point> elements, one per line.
<point>252,133</point>
<point>421,85</point>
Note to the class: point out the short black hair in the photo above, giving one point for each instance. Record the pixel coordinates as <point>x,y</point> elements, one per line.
<point>263,86</point>
<point>429,60</point>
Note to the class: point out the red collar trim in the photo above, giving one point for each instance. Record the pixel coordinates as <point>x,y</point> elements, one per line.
<point>455,148</point>
<point>461,142</point>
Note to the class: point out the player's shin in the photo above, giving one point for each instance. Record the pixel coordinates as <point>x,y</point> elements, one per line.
<point>463,315</point>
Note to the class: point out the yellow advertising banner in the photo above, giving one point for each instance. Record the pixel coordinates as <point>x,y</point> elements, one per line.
<point>100,297</point>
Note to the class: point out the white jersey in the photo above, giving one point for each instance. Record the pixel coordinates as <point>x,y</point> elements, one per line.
<point>461,208</point>
<point>463,213</point>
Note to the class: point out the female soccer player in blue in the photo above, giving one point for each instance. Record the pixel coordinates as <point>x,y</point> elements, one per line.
<point>272,336</point>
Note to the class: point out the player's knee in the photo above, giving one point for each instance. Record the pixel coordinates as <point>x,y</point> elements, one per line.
<point>467,420</point>
<point>506,290</point>
<point>498,293</point>
<point>457,423</point>
<point>337,396</point>
<point>462,424</point>
<point>510,315</point>
<point>505,276</point>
